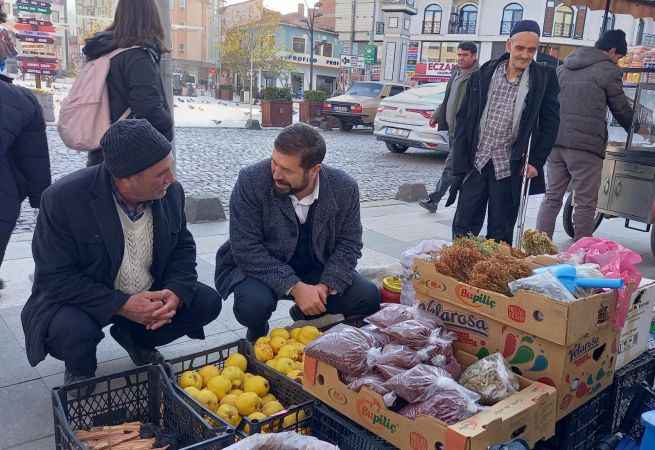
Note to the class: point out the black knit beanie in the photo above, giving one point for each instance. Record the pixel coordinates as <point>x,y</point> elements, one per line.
<point>613,39</point>
<point>522,26</point>
<point>131,146</point>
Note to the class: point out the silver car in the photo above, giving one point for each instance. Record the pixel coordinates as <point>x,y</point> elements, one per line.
<point>403,121</point>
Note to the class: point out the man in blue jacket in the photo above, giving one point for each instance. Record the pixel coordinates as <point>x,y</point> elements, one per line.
<point>24,157</point>
<point>295,232</point>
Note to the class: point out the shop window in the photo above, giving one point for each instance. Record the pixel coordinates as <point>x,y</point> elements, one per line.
<point>610,22</point>
<point>563,23</point>
<point>511,14</point>
<point>432,20</point>
<point>327,50</point>
<point>640,32</point>
<point>298,45</point>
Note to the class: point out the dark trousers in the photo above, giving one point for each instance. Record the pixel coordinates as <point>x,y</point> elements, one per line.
<point>478,191</point>
<point>73,335</point>
<point>443,185</point>
<point>6,228</point>
<point>254,301</point>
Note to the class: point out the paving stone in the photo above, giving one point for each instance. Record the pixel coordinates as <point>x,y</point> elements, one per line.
<point>204,208</point>
<point>40,444</point>
<point>32,420</point>
<point>411,192</point>
<point>15,367</point>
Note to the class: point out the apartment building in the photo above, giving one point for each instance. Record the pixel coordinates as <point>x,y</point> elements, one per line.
<point>421,36</point>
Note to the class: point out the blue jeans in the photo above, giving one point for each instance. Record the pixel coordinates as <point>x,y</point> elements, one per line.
<point>444,182</point>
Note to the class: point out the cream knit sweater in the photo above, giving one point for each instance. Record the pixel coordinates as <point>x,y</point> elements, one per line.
<point>134,275</point>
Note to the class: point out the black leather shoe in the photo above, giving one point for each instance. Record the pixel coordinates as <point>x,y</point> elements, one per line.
<point>84,391</point>
<point>252,336</point>
<point>429,205</point>
<point>140,355</point>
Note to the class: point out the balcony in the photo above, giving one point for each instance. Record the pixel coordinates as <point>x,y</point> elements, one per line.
<point>405,6</point>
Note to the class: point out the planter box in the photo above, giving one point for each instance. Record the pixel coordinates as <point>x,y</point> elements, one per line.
<point>529,414</point>
<point>226,94</point>
<point>579,371</point>
<point>310,110</point>
<point>563,323</point>
<point>276,113</point>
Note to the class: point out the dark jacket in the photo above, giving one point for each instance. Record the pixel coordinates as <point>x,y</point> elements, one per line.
<point>78,248</point>
<point>540,119</point>
<point>264,232</point>
<point>589,83</point>
<point>24,157</point>
<point>134,82</point>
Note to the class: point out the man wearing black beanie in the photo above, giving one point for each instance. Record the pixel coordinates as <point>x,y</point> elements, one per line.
<point>508,101</point>
<point>590,82</point>
<point>111,246</point>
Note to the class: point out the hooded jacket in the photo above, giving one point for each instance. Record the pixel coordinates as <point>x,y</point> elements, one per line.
<point>589,83</point>
<point>134,82</point>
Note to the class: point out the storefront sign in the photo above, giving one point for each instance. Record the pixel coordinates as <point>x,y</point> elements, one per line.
<point>47,72</point>
<point>370,54</point>
<point>346,61</point>
<point>34,39</point>
<point>318,60</point>
<point>434,72</point>
<point>33,9</point>
<point>375,72</point>
<point>38,66</point>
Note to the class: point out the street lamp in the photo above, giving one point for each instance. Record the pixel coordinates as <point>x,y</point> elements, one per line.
<point>310,21</point>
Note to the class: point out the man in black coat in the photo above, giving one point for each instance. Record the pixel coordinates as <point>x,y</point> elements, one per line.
<point>508,101</point>
<point>295,233</point>
<point>111,245</point>
<point>24,158</point>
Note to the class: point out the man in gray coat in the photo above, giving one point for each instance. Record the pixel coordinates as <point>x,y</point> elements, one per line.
<point>444,116</point>
<point>590,81</point>
<point>295,233</point>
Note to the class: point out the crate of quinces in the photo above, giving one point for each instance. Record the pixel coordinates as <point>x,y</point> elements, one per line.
<point>399,377</point>
<point>283,349</point>
<point>226,384</point>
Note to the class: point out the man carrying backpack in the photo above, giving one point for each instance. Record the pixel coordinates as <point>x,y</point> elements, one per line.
<point>24,158</point>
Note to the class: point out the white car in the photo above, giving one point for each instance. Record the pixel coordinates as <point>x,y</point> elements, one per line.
<point>403,121</point>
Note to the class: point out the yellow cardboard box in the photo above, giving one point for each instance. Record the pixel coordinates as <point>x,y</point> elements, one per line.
<point>579,371</point>
<point>563,323</point>
<point>529,414</point>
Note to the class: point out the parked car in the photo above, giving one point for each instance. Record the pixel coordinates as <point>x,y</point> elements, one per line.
<point>358,106</point>
<point>403,121</point>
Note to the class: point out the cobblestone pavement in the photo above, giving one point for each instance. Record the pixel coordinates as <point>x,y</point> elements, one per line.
<point>209,161</point>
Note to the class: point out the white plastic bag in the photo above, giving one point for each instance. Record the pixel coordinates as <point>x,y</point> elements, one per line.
<point>281,441</point>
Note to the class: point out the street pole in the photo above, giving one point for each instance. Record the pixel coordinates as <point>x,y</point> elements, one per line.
<point>252,69</point>
<point>311,56</point>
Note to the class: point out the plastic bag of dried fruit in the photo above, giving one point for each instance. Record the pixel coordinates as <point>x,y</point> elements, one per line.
<point>345,349</point>
<point>439,352</point>
<point>281,441</point>
<point>422,382</point>
<point>448,406</point>
<point>491,378</point>
<point>371,380</point>
<point>391,314</point>
<point>393,355</point>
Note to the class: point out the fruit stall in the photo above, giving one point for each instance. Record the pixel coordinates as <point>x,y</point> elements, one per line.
<point>481,346</point>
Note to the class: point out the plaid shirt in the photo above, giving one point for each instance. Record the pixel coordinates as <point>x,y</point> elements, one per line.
<point>133,214</point>
<point>496,138</point>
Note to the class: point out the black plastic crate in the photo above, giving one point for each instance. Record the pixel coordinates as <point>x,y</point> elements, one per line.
<point>582,428</point>
<point>641,370</point>
<point>643,400</point>
<point>330,426</point>
<point>143,394</point>
<point>298,403</point>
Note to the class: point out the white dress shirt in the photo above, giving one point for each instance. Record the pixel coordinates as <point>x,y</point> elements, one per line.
<point>302,206</point>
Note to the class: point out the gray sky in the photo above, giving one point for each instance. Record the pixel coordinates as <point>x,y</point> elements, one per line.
<point>284,6</point>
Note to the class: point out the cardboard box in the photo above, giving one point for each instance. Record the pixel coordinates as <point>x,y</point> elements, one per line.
<point>528,414</point>
<point>563,323</point>
<point>579,371</point>
<point>634,337</point>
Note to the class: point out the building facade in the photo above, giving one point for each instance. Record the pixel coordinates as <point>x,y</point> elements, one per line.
<point>432,30</point>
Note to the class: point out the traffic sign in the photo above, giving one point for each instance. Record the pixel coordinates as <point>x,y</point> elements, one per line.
<point>370,54</point>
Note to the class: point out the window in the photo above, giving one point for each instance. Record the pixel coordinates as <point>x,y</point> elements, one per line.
<point>379,28</point>
<point>180,48</point>
<point>393,22</point>
<point>511,14</point>
<point>432,20</point>
<point>563,24</point>
<point>464,21</point>
<point>298,45</point>
<point>327,50</point>
<point>182,3</point>
<point>395,90</point>
<point>317,47</point>
<point>406,24</point>
<point>610,22</point>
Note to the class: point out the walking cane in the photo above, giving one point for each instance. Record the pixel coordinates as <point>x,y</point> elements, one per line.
<point>525,198</point>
